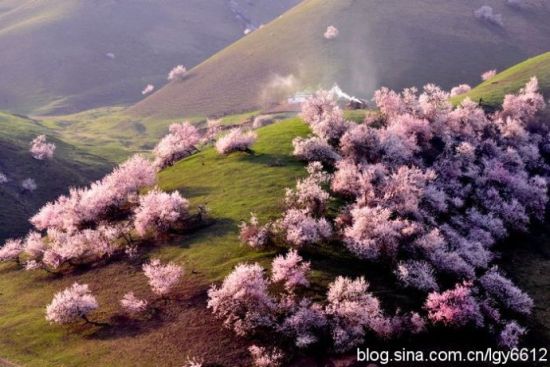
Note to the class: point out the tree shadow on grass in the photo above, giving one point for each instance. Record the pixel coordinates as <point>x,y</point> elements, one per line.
<point>10,267</point>
<point>219,228</point>
<point>194,191</point>
<point>161,311</point>
<point>271,160</point>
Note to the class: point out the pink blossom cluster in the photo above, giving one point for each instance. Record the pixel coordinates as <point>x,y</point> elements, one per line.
<point>246,305</point>
<point>148,89</point>
<point>290,270</point>
<point>71,304</point>
<point>511,334</point>
<point>99,200</point>
<point>180,142</point>
<point>177,73</point>
<point>243,301</point>
<point>300,228</point>
<point>29,185</point>
<point>264,357</point>
<point>94,223</point>
<point>253,234</point>
<point>417,274</point>
<point>460,89</point>
<point>331,32</point>
<point>304,323</point>
<point>11,250</point>
<point>309,194</point>
<point>162,278</point>
<point>314,149</point>
<point>236,140</point>
<point>486,13</point>
<point>454,307</point>
<point>324,116</point>
<point>158,211</point>
<point>132,304</point>
<point>489,74</point>
<point>41,149</point>
<point>213,130</point>
<point>351,309</point>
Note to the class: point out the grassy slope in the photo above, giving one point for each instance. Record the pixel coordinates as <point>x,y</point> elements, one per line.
<point>390,42</point>
<point>113,134</point>
<point>70,166</point>
<point>511,80</point>
<point>54,52</point>
<point>232,187</point>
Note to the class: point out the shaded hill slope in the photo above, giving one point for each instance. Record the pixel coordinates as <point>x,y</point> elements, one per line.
<point>394,43</point>
<point>70,55</point>
<point>70,166</point>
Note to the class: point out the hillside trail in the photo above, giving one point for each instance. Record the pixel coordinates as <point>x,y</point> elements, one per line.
<point>6,363</point>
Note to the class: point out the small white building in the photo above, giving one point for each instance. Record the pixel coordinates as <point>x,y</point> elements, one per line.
<point>299,97</point>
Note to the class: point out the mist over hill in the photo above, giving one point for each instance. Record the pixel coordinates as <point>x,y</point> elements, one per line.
<point>392,43</point>
<point>69,55</point>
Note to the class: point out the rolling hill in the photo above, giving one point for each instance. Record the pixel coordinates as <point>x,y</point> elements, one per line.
<point>492,91</point>
<point>70,55</point>
<point>70,166</point>
<point>392,43</point>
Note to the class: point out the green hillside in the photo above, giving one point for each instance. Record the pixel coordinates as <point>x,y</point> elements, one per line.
<point>492,91</point>
<point>70,166</point>
<point>231,187</point>
<point>394,43</point>
<point>71,55</point>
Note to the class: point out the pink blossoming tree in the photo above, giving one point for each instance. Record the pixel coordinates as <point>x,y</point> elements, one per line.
<point>41,149</point>
<point>72,304</point>
<point>162,278</point>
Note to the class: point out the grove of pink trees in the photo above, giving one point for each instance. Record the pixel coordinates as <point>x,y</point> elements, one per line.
<point>426,187</point>
<point>94,223</point>
<point>246,305</point>
<point>41,149</point>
